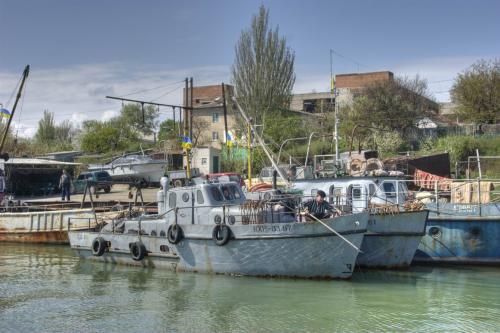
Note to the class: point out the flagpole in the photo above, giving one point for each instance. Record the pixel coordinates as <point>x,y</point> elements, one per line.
<point>25,75</point>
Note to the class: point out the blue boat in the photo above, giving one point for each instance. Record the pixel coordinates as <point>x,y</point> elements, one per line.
<point>461,234</point>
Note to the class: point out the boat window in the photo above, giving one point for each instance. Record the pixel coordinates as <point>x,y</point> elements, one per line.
<point>234,178</point>
<point>372,189</point>
<point>81,177</point>
<point>185,197</point>
<point>331,194</point>
<point>172,199</point>
<point>216,195</point>
<point>199,197</point>
<point>234,192</point>
<point>226,192</point>
<point>356,192</point>
<point>338,196</point>
<point>389,189</point>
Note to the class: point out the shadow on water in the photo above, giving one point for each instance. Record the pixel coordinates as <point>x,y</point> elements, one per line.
<point>47,288</point>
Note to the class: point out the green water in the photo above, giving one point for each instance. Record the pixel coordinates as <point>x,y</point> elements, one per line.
<point>48,289</point>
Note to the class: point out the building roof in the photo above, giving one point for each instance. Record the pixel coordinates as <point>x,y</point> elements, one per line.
<point>36,161</point>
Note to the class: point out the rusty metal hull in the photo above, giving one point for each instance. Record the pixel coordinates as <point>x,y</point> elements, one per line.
<point>461,241</point>
<point>392,239</point>
<point>44,227</point>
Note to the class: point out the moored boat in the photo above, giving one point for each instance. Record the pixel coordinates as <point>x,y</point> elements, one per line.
<point>210,228</point>
<point>44,226</point>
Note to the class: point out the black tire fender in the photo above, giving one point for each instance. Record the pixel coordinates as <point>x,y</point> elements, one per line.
<point>221,234</point>
<point>174,234</point>
<point>138,251</point>
<point>99,246</point>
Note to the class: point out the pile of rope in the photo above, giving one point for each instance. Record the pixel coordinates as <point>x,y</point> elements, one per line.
<point>413,205</point>
<point>384,209</point>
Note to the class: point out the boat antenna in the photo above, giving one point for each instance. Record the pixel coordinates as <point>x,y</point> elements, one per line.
<point>261,142</point>
<point>5,156</point>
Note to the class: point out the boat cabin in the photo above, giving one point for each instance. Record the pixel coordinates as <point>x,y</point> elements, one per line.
<point>355,194</point>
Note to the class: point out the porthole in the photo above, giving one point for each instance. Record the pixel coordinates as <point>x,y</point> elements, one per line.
<point>434,232</point>
<point>185,197</point>
<point>162,233</point>
<point>164,248</point>
<point>231,220</point>
<point>153,233</point>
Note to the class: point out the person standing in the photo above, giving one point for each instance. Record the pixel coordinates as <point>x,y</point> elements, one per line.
<point>65,185</point>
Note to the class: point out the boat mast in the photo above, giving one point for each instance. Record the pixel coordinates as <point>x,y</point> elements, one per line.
<point>6,132</point>
<point>333,93</point>
<point>260,141</point>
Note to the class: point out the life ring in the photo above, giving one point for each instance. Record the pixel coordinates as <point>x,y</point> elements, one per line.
<point>221,234</point>
<point>174,234</point>
<point>99,246</point>
<point>260,187</point>
<point>138,251</point>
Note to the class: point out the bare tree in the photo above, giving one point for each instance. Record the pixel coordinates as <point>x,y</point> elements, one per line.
<point>263,70</point>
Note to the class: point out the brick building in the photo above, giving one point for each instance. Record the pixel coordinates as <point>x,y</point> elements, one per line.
<point>348,86</point>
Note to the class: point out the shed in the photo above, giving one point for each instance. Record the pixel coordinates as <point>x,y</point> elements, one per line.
<point>34,176</point>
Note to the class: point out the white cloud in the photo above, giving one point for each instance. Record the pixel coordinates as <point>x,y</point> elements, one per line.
<point>78,92</point>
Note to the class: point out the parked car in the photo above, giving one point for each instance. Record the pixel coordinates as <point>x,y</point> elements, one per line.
<point>99,181</point>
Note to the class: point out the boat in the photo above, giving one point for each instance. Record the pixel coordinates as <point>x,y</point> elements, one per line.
<point>212,228</point>
<point>393,232</point>
<point>133,167</point>
<point>37,225</point>
<point>463,225</point>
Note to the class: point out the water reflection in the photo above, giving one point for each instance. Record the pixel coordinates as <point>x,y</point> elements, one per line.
<point>48,288</point>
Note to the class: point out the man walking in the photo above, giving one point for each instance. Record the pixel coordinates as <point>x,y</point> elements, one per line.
<point>65,185</point>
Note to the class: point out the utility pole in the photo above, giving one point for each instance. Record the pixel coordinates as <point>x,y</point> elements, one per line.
<point>333,93</point>
<point>225,112</point>
<point>186,128</point>
<point>6,132</point>
<point>191,89</point>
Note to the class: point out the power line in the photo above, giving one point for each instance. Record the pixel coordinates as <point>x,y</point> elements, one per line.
<point>151,89</point>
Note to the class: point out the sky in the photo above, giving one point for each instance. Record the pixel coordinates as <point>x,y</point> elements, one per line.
<point>81,51</point>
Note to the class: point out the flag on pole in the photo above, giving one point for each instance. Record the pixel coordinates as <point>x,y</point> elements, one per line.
<point>4,113</point>
<point>229,139</point>
<point>332,84</point>
<point>186,142</point>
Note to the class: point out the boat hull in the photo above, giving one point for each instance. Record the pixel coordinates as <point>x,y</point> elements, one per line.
<point>392,239</point>
<point>151,172</point>
<point>47,227</point>
<point>462,234</point>
<point>303,250</point>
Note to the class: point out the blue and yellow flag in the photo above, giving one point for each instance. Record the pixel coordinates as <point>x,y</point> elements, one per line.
<point>4,113</point>
<point>186,142</point>
<point>332,84</point>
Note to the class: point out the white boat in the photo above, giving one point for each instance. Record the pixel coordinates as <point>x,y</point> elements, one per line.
<point>133,167</point>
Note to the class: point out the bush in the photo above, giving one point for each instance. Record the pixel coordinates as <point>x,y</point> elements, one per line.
<point>461,147</point>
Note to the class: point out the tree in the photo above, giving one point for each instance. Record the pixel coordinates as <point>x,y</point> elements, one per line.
<point>476,92</point>
<point>110,136</point>
<point>263,70</point>
<point>393,105</point>
<point>169,130</point>
<point>46,131</point>
<point>132,116</point>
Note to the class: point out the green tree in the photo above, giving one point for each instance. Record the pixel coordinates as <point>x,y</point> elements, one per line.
<point>263,70</point>
<point>169,130</point>
<point>476,92</point>
<point>110,136</point>
<point>46,131</point>
<point>383,106</point>
<point>132,115</point>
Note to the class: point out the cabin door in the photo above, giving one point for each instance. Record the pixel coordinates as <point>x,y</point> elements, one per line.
<point>185,207</point>
<point>358,196</point>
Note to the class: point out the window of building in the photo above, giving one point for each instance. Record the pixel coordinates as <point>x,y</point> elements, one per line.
<point>215,117</point>
<point>215,136</point>
<point>204,161</point>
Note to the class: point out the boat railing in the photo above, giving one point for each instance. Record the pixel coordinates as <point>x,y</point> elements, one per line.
<point>447,196</point>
